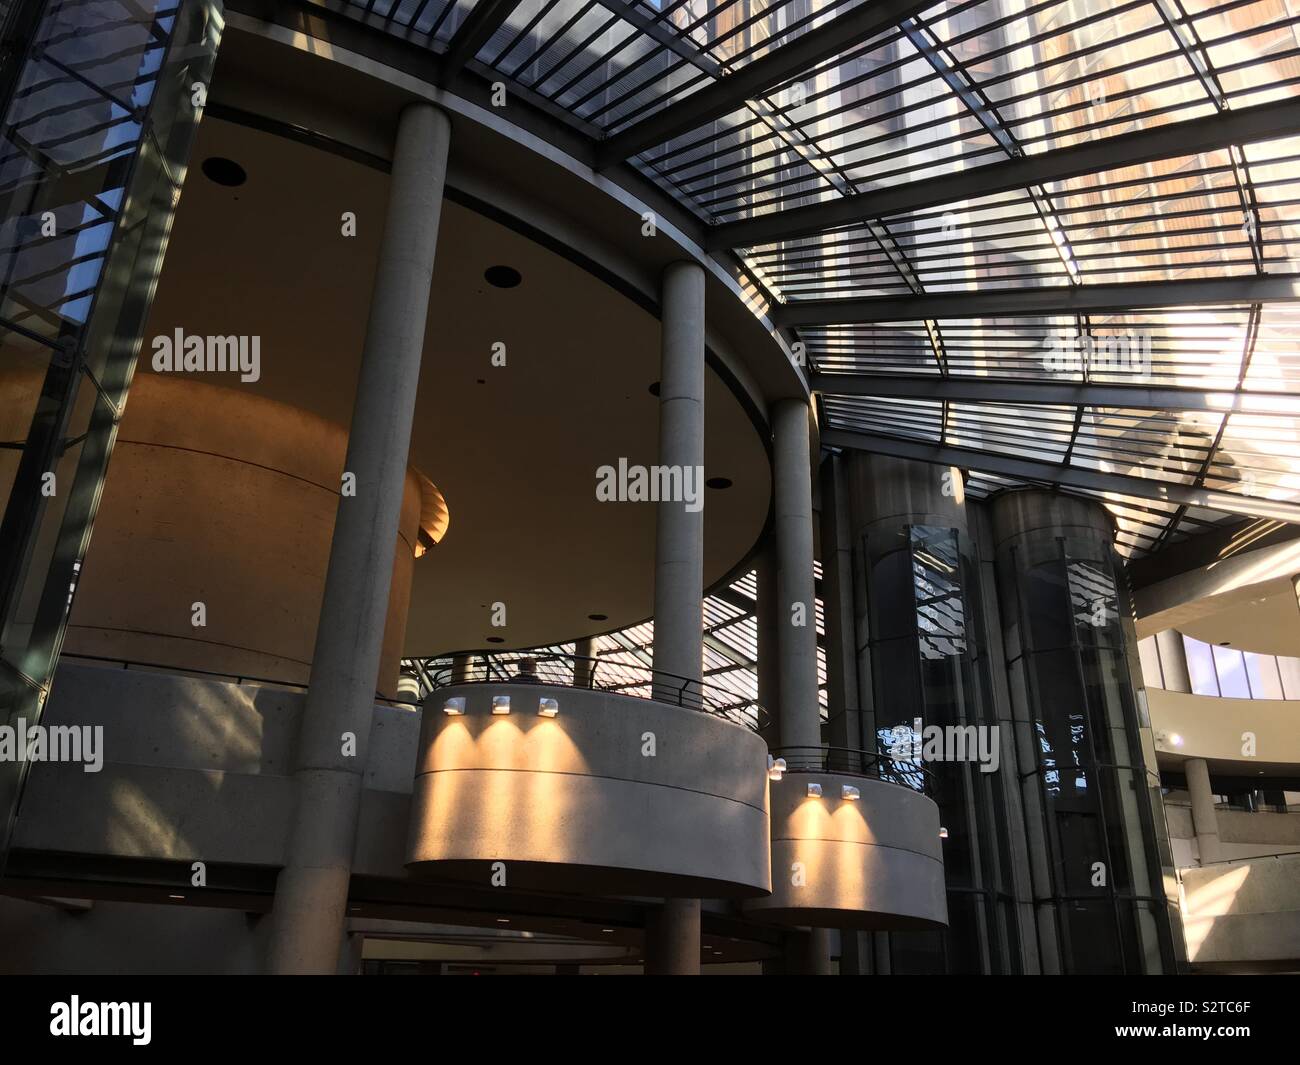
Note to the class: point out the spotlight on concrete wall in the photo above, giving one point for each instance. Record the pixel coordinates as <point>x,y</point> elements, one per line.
<point>814,791</point>
<point>547,707</point>
<point>500,704</point>
<point>775,768</point>
<point>454,707</point>
<point>848,791</point>
<point>943,833</point>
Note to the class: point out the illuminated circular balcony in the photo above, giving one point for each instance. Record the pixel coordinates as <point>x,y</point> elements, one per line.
<point>855,843</point>
<point>635,782</point>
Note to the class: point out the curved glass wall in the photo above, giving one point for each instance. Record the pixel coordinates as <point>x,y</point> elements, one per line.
<point>929,668</point>
<point>1225,672</point>
<point>99,103</point>
<point>1103,842</point>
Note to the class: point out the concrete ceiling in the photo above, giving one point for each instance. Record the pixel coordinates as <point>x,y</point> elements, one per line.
<point>1268,623</point>
<point>514,449</point>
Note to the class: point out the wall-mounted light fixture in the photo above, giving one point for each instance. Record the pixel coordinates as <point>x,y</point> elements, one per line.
<point>500,704</point>
<point>943,833</point>
<point>454,707</point>
<point>848,791</point>
<point>814,791</point>
<point>547,707</point>
<point>775,768</point>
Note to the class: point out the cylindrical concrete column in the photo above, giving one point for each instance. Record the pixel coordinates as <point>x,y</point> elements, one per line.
<point>679,540</point>
<point>1205,821</point>
<point>312,888</point>
<point>796,593</point>
<point>1173,661</point>
<point>584,662</point>
<point>672,939</point>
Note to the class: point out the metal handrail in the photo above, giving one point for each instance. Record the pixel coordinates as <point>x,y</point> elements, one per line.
<point>850,761</point>
<point>557,669</point>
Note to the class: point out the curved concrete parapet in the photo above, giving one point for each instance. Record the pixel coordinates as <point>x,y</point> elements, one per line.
<point>613,795</point>
<point>873,863</point>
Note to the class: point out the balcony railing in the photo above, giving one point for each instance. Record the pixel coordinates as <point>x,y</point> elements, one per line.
<point>848,761</point>
<point>562,670</point>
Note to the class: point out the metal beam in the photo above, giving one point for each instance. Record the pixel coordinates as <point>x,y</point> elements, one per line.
<point>487,17</point>
<point>1051,473</point>
<point>1052,392</point>
<point>756,78</point>
<point>1238,126</point>
<point>1058,299</point>
<point>661,33</point>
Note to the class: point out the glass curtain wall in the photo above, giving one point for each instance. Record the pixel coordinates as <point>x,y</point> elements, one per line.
<point>929,667</point>
<point>98,106</point>
<point>1103,826</point>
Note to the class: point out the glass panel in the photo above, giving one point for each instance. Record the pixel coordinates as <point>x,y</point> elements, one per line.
<point>1200,665</point>
<point>1231,669</point>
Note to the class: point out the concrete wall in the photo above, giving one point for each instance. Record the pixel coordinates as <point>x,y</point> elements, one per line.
<point>109,938</point>
<point>199,770</point>
<point>1211,727</point>
<point>219,496</point>
<point>1243,915</point>
<point>574,803</point>
<point>873,863</point>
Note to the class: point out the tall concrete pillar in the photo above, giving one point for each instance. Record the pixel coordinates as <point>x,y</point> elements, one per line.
<point>800,722</point>
<point>1205,821</point>
<point>312,888</point>
<point>679,534</point>
<point>673,935</point>
<point>1173,661</point>
<point>584,662</point>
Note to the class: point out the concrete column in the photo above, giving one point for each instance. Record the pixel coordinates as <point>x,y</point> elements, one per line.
<point>673,937</point>
<point>462,669</point>
<point>679,540</point>
<point>1205,821</point>
<point>820,941</point>
<point>584,651</point>
<point>312,888</point>
<point>769,673</point>
<point>796,594</point>
<point>1173,661</point>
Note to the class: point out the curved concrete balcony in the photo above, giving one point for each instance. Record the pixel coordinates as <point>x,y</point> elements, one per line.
<point>854,845</point>
<point>531,785</point>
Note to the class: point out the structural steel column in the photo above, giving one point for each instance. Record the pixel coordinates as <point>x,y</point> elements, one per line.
<point>796,593</point>
<point>673,934</point>
<point>1205,821</point>
<point>312,888</point>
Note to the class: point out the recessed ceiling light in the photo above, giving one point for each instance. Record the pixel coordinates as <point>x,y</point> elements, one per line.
<point>654,388</point>
<point>502,276</point>
<point>495,639</point>
<point>598,617</point>
<point>223,171</point>
<point>719,482</point>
